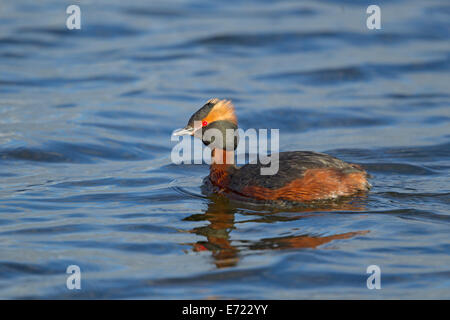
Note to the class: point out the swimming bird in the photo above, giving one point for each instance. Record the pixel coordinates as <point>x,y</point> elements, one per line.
<point>302,176</point>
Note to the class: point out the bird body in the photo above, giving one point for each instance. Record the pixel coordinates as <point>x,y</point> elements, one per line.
<point>302,175</point>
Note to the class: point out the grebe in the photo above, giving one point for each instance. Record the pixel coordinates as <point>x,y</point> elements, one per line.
<point>303,176</point>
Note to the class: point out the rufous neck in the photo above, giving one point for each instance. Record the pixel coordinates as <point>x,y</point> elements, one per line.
<point>222,157</point>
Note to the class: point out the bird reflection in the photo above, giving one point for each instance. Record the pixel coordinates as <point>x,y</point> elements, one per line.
<point>225,251</point>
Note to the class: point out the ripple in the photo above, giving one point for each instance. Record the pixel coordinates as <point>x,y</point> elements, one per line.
<point>66,229</point>
<point>398,169</point>
<point>26,42</point>
<point>64,152</point>
<point>306,41</point>
<point>106,31</point>
<point>144,228</point>
<point>145,248</point>
<point>58,82</point>
<point>413,96</point>
<point>162,195</point>
<point>419,153</point>
<point>155,12</point>
<point>441,197</point>
<point>129,130</point>
<point>320,77</point>
<point>332,76</point>
<point>12,269</point>
<point>33,155</point>
<point>439,9</point>
<point>162,58</point>
<point>125,182</point>
<point>304,120</point>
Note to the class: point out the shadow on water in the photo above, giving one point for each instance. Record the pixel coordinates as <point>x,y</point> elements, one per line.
<point>221,217</point>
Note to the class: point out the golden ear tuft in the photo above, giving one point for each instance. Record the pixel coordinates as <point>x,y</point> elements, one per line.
<point>222,110</point>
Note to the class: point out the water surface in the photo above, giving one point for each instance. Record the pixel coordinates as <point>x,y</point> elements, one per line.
<point>86,175</point>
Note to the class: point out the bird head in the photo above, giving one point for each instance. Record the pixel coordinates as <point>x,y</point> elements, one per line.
<point>215,124</point>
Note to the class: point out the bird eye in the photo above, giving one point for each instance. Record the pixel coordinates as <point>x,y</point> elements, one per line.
<point>204,123</point>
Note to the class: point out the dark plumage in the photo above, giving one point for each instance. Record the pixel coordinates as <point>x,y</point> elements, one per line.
<point>292,165</point>
<point>201,113</point>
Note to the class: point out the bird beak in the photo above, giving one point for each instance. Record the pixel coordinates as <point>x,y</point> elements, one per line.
<point>188,131</point>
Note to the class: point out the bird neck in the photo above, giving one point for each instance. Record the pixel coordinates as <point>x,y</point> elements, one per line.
<point>222,157</point>
<point>222,164</point>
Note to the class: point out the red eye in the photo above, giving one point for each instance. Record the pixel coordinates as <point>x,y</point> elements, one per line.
<point>204,123</point>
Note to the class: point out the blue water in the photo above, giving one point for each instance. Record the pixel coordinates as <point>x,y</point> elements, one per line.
<point>86,176</point>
